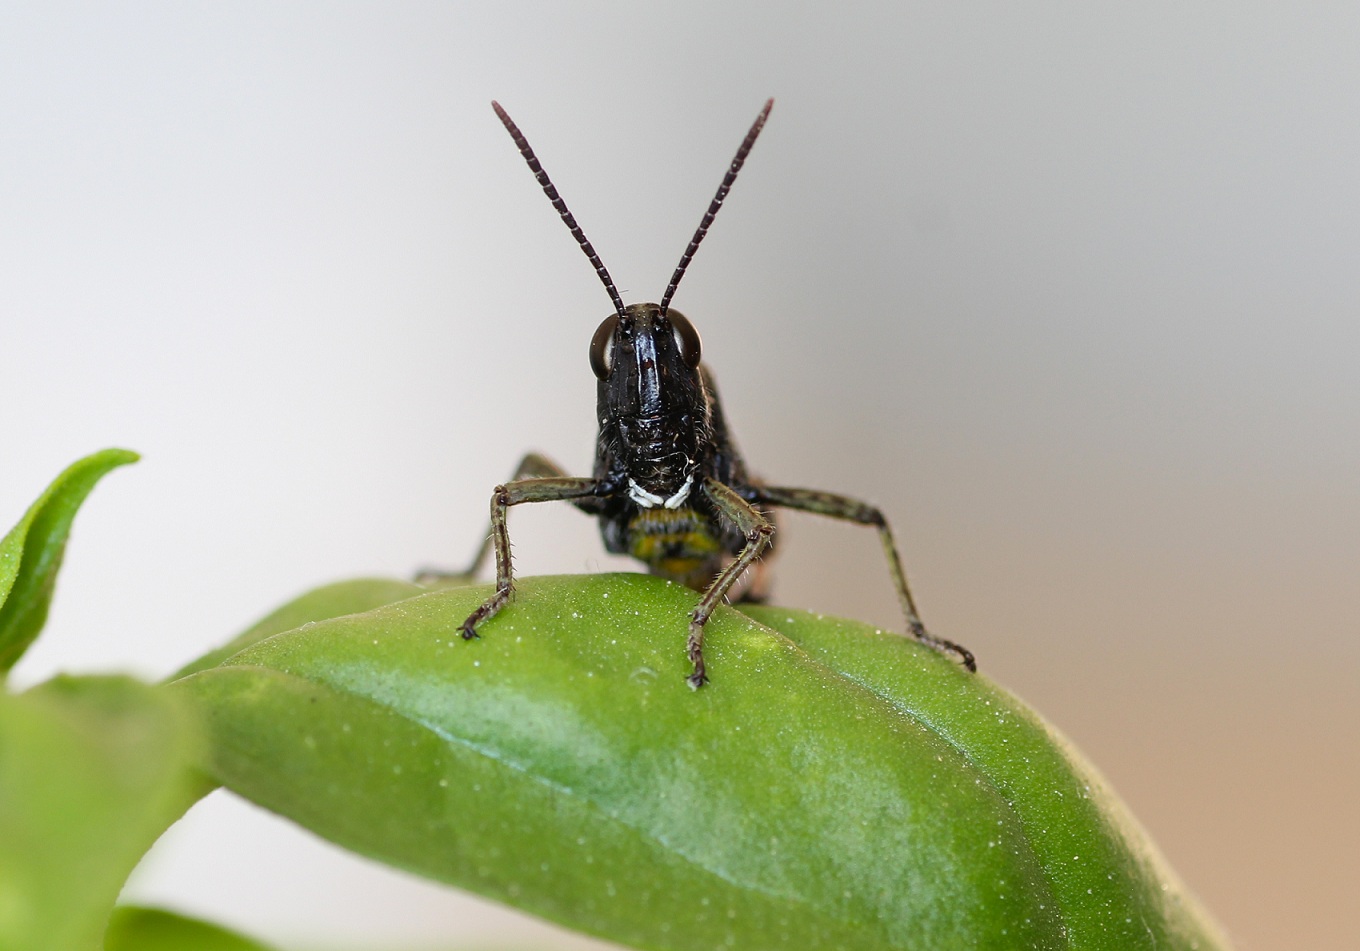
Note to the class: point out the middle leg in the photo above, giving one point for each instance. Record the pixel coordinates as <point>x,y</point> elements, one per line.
<point>852,510</point>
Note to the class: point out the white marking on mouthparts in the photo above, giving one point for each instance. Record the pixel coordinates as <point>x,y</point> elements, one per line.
<point>650,499</point>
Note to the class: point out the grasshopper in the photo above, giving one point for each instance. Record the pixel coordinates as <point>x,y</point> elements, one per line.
<point>669,487</point>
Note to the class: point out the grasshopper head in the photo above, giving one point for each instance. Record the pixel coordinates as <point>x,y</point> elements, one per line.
<point>647,363</point>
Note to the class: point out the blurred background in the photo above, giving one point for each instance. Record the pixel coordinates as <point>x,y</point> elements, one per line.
<point>1070,289</point>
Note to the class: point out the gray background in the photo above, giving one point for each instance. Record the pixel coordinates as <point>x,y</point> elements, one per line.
<point>1069,288</point>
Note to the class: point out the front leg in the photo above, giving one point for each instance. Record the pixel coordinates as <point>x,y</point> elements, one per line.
<point>554,489</point>
<point>532,466</point>
<point>853,510</point>
<point>757,529</point>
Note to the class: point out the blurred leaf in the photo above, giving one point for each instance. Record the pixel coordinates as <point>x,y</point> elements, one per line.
<point>561,764</point>
<point>92,770</point>
<point>152,929</point>
<point>334,600</point>
<point>31,553</point>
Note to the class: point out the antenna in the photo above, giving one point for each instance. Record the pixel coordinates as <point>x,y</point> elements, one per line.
<point>714,205</point>
<point>536,167</point>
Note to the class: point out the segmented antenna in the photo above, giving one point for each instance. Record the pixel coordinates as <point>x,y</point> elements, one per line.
<point>714,205</point>
<point>536,167</point>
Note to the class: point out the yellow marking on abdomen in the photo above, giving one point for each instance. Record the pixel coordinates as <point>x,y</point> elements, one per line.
<point>675,542</point>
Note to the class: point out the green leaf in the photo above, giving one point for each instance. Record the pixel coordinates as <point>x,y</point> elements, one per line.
<point>31,553</point>
<point>561,764</point>
<point>333,600</point>
<point>151,929</point>
<point>92,770</point>
<point>1112,885</point>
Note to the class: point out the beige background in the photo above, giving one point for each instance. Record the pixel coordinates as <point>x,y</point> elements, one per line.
<point>1071,289</point>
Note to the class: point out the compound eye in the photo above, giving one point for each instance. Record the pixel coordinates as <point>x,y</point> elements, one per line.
<point>689,338</point>
<point>600,346</point>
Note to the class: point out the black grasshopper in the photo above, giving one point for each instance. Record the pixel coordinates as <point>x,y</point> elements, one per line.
<point>669,486</point>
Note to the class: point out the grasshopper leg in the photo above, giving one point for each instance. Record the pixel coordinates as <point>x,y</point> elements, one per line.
<point>853,510</point>
<point>532,466</point>
<point>547,489</point>
<point>758,530</point>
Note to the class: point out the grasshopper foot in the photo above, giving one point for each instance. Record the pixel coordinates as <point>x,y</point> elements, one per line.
<point>918,631</point>
<point>698,678</point>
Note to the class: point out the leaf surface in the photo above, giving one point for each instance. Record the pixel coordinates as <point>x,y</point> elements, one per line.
<point>561,764</point>
<point>31,553</point>
<point>1113,887</point>
<point>92,770</point>
<point>133,928</point>
<point>320,604</point>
